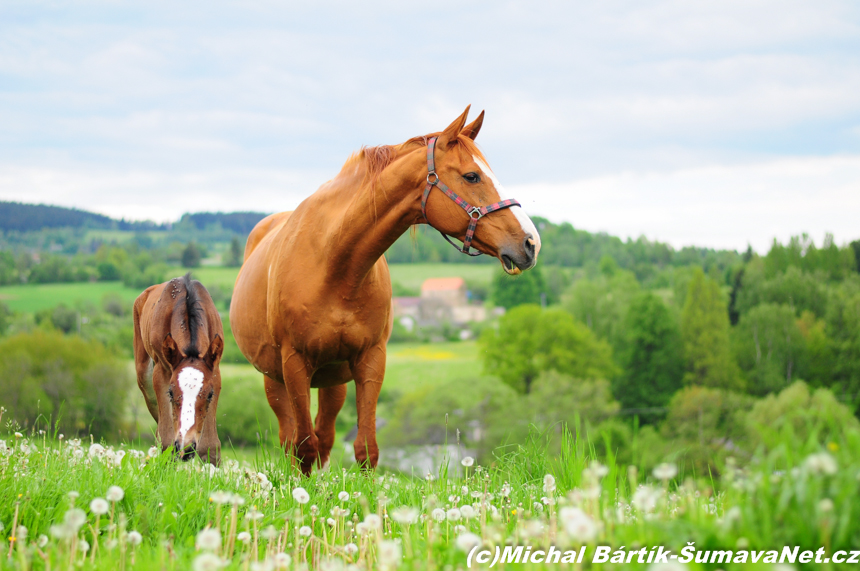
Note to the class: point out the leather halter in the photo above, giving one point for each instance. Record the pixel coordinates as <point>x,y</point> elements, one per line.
<point>475,212</point>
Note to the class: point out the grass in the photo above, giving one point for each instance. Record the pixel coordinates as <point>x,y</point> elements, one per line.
<point>413,365</point>
<point>260,514</point>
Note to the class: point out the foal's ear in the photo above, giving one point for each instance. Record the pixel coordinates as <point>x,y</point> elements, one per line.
<point>171,351</point>
<point>471,130</point>
<point>216,349</point>
<point>449,135</point>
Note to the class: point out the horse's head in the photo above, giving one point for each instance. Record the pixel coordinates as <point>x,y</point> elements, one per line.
<point>507,234</point>
<point>192,393</point>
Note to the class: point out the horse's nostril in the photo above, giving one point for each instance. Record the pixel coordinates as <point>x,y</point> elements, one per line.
<point>529,245</point>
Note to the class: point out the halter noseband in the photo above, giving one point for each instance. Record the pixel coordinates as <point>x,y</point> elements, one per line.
<point>475,212</point>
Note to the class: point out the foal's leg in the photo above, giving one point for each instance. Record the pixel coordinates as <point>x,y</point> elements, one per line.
<point>142,362</point>
<point>368,371</point>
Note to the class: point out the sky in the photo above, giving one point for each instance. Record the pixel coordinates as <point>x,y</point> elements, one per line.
<point>720,124</point>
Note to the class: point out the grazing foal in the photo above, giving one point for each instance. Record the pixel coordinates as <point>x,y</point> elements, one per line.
<point>178,342</point>
<point>312,303</point>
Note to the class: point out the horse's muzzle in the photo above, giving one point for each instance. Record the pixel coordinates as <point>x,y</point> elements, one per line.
<point>516,260</point>
<point>185,453</point>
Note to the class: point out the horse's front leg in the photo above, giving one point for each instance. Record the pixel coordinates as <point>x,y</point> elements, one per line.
<point>368,371</point>
<point>297,380</point>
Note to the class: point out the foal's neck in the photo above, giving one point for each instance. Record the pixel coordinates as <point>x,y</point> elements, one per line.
<point>378,214</point>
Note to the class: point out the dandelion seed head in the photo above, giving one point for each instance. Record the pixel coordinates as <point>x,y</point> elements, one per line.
<point>115,494</point>
<point>665,471</point>
<point>207,562</point>
<point>208,540</point>
<point>134,538</point>
<point>99,506</point>
<point>301,495</point>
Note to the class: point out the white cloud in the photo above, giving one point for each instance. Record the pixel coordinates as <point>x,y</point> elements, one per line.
<point>193,105</point>
<point>722,206</point>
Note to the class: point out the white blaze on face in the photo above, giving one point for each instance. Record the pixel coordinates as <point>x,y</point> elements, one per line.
<point>190,383</point>
<point>525,222</point>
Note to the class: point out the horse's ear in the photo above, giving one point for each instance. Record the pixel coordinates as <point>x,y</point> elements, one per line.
<point>171,351</point>
<point>471,130</point>
<point>216,349</point>
<point>449,135</point>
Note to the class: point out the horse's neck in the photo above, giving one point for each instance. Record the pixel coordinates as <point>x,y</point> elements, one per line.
<point>373,218</point>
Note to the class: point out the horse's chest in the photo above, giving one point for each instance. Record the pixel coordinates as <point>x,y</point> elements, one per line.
<point>337,332</point>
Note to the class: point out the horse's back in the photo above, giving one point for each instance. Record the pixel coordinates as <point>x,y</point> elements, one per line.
<point>271,223</point>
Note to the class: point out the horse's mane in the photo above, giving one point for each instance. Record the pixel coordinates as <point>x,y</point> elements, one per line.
<point>194,313</point>
<point>377,159</point>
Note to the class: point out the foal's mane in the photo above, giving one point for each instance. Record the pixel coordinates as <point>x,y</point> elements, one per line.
<point>194,314</point>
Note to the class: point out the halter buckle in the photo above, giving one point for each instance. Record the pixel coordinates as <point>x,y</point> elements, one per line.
<point>435,180</point>
<point>475,213</point>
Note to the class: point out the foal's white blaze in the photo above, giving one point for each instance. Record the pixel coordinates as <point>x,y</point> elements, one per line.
<point>525,222</point>
<point>190,383</point>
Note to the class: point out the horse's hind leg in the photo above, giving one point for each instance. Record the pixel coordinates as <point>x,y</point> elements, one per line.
<point>279,400</point>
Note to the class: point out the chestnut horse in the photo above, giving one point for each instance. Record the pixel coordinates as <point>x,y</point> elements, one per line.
<point>312,302</point>
<point>178,342</point>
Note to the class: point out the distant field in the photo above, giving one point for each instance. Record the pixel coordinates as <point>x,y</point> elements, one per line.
<point>213,275</point>
<point>411,276</point>
<point>408,275</point>
<point>33,297</point>
<point>409,366</point>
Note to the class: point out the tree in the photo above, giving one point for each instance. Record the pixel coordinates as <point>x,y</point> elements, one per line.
<point>233,258</point>
<point>45,371</point>
<point>843,326</point>
<point>770,348</point>
<point>511,291</point>
<point>652,360</point>
<point>531,340</point>
<point>191,256</point>
<point>602,303</point>
<point>705,332</point>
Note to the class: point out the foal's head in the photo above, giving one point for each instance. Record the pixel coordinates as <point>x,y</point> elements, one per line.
<point>193,396</point>
<point>507,234</point>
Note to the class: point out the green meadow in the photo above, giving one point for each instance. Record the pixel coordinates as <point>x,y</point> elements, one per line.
<point>34,297</point>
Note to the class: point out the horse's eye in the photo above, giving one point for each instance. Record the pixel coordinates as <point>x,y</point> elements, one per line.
<point>472,177</point>
<point>210,396</point>
<point>170,393</point>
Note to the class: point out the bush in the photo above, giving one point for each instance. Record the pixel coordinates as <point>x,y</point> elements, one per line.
<point>531,340</point>
<point>707,424</point>
<point>436,413</point>
<point>796,415</point>
<point>78,384</point>
<point>244,414</point>
<point>557,401</point>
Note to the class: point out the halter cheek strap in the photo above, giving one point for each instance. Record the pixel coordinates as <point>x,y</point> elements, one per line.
<point>475,212</point>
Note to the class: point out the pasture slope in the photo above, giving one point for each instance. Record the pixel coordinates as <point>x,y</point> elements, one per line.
<point>34,297</point>
<point>67,504</point>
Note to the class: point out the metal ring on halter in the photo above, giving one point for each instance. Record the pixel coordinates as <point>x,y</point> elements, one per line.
<point>433,182</point>
<point>476,210</point>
